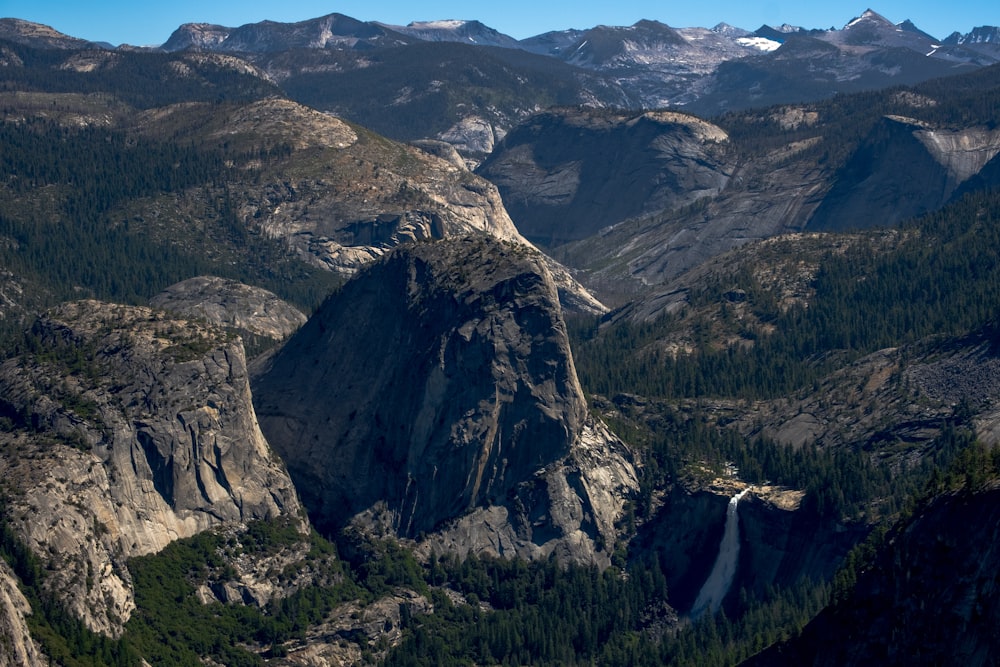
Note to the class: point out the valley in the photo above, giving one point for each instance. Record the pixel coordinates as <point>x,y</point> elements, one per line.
<point>340,342</point>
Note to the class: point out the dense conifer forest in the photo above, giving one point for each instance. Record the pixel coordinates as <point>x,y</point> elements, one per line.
<point>77,242</point>
<point>940,282</point>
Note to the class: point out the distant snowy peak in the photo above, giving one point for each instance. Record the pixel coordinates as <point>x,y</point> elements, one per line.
<point>777,34</point>
<point>870,18</point>
<point>455,30</point>
<point>871,30</point>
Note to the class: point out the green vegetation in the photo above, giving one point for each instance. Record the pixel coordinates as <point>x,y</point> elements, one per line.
<point>972,469</point>
<point>955,102</point>
<point>434,82</point>
<point>841,484</point>
<point>77,235</point>
<point>172,626</point>
<point>141,79</point>
<point>80,241</point>
<point>514,612</point>
<point>942,280</point>
<point>546,614</point>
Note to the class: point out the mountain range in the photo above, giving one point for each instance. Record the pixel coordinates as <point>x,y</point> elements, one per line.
<point>431,85</point>
<point>646,65</point>
<point>339,342</point>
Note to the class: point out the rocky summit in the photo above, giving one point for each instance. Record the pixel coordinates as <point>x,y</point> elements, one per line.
<point>436,394</point>
<point>229,303</point>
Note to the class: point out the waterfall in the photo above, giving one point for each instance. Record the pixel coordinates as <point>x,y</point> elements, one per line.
<point>717,585</point>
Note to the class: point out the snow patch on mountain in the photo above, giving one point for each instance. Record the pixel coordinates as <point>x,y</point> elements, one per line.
<point>759,43</point>
<point>445,24</point>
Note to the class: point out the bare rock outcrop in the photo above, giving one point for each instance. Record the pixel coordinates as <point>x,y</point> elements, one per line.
<point>349,196</point>
<point>566,174</point>
<point>231,304</point>
<point>126,429</point>
<point>436,394</point>
<point>871,190</point>
<point>17,647</point>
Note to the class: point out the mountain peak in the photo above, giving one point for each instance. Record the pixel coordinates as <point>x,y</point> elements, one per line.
<point>730,30</point>
<point>985,34</point>
<point>869,17</point>
<point>909,26</point>
<point>455,30</point>
<point>38,34</point>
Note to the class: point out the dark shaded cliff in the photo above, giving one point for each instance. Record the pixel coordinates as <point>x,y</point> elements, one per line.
<point>438,382</point>
<point>929,598</point>
<point>566,174</point>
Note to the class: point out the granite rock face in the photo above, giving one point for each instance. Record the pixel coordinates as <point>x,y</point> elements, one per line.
<point>929,596</point>
<point>439,384</point>
<point>229,303</point>
<point>126,429</point>
<point>902,169</point>
<point>348,196</point>
<point>565,175</point>
<point>17,647</point>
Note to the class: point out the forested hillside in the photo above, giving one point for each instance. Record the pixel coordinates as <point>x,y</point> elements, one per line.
<point>77,240</point>
<point>845,378</point>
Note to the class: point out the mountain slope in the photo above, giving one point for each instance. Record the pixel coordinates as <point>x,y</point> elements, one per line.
<point>224,188</point>
<point>334,31</point>
<point>630,208</point>
<point>438,386</point>
<point>125,430</point>
<point>467,32</point>
<point>439,89</point>
<point>568,173</point>
<point>930,594</point>
<point>36,34</point>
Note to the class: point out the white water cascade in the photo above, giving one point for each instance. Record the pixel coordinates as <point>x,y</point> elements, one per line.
<point>717,585</point>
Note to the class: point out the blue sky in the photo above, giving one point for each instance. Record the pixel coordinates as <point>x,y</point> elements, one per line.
<point>150,23</point>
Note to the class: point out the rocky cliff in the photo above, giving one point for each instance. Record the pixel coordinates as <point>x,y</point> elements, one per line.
<point>436,393</point>
<point>769,195</point>
<point>123,430</point>
<point>872,190</point>
<point>929,597</point>
<point>17,647</point>
<point>344,196</point>
<point>782,543</point>
<point>633,201</point>
<point>566,174</point>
